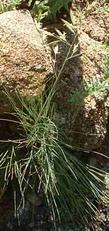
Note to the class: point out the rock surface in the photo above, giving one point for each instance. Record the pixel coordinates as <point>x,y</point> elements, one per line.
<point>84,127</point>
<point>24,61</point>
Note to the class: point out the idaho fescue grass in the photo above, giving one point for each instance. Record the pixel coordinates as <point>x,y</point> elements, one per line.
<point>39,155</point>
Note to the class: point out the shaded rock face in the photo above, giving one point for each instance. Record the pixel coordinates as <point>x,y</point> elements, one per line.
<point>24,61</point>
<point>83,126</point>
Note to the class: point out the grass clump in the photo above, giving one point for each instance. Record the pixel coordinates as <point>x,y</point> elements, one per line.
<point>39,155</point>
<point>68,186</point>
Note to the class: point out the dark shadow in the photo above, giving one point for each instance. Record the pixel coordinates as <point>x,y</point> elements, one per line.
<point>77,123</point>
<point>67,116</point>
<point>105,147</point>
<point>9,127</point>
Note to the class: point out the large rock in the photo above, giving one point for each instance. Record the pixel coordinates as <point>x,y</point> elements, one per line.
<point>24,60</point>
<point>84,125</point>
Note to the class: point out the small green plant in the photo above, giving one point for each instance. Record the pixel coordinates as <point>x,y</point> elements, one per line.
<point>40,9</point>
<point>106,67</point>
<point>103,9</point>
<point>49,8</point>
<point>56,5</point>
<point>8,5</point>
<point>95,87</point>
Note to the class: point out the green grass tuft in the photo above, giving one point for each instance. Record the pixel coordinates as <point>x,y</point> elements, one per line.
<point>69,186</point>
